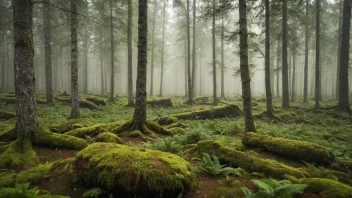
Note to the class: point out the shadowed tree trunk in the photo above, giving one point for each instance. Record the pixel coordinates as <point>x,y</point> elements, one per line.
<point>48,64</point>
<point>269,104</point>
<point>190,90</point>
<point>162,52</point>
<point>246,81</point>
<point>74,62</point>
<point>293,75</point>
<point>102,85</point>
<point>222,57</point>
<point>3,62</point>
<point>215,98</point>
<point>278,70</point>
<point>285,87</point>
<point>153,49</point>
<point>26,105</point>
<point>129,46</point>
<point>86,51</point>
<point>344,58</point>
<point>186,68</point>
<point>339,51</point>
<point>112,78</point>
<point>194,52</point>
<point>317,55</point>
<point>305,92</point>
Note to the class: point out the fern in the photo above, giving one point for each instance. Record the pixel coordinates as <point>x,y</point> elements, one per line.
<point>270,188</point>
<point>93,193</point>
<point>19,191</point>
<point>211,166</point>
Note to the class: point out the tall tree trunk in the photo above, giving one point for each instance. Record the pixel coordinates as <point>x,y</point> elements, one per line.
<point>339,49</point>
<point>162,52</point>
<point>48,64</point>
<point>293,75</point>
<point>222,57</point>
<point>186,68</point>
<point>3,62</point>
<point>26,105</point>
<point>140,111</point>
<point>215,98</point>
<point>153,49</point>
<point>112,78</point>
<point>200,72</point>
<point>190,91</point>
<point>74,61</point>
<point>317,55</point>
<point>305,93</point>
<point>285,87</point>
<point>246,81</point>
<point>269,104</point>
<point>129,46</point>
<point>102,85</point>
<point>344,58</point>
<point>194,55</point>
<point>278,70</point>
<point>85,55</point>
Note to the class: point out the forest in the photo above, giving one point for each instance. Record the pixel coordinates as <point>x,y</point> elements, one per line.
<point>175,99</point>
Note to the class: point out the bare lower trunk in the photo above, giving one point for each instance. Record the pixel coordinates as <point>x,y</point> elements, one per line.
<point>317,56</point>
<point>194,55</point>
<point>102,85</point>
<point>293,76</point>
<point>85,61</point>
<point>278,70</point>
<point>215,98</point>
<point>48,63</point>
<point>285,87</point>
<point>339,50</point>
<point>344,58</point>
<point>269,105</point>
<point>129,46</point>
<point>140,112</point>
<point>305,92</point>
<point>162,52</point>
<point>3,62</point>
<point>26,106</point>
<point>190,90</point>
<point>246,81</point>
<point>74,62</point>
<point>222,57</point>
<point>153,49</point>
<point>112,78</point>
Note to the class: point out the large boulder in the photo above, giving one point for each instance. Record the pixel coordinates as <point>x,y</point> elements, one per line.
<point>129,171</point>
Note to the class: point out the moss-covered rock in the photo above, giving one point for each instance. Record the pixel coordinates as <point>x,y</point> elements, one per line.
<point>215,112</point>
<point>108,138</point>
<point>44,138</point>
<point>292,149</point>
<point>6,115</point>
<point>248,162</point>
<point>327,188</point>
<point>17,155</point>
<point>130,171</point>
<point>94,130</point>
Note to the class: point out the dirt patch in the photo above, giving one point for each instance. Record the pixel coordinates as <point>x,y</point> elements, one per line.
<point>50,155</point>
<point>206,186</point>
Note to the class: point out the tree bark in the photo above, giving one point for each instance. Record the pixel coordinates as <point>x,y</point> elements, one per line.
<point>48,62</point>
<point>222,57</point>
<point>3,82</point>
<point>190,90</point>
<point>112,78</point>
<point>285,87</point>
<point>215,98</point>
<point>26,105</point>
<point>246,86</point>
<point>339,50</point>
<point>153,49</point>
<point>278,70</point>
<point>86,51</point>
<point>317,55</point>
<point>344,58</point>
<point>194,51</point>
<point>129,46</point>
<point>269,104</point>
<point>162,52</point>
<point>140,112</point>
<point>293,76</point>
<point>305,92</point>
<point>74,62</point>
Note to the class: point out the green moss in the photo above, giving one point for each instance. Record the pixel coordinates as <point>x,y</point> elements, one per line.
<point>96,101</point>
<point>293,149</point>
<point>327,188</point>
<point>88,105</point>
<point>108,138</point>
<point>17,155</point>
<point>6,115</point>
<point>94,130</point>
<point>177,130</point>
<point>34,175</point>
<point>65,126</point>
<point>248,162</point>
<point>49,139</point>
<point>133,170</point>
<point>167,120</point>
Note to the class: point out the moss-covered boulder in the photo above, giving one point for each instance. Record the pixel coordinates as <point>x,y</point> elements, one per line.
<point>129,171</point>
<point>248,162</point>
<point>108,138</point>
<point>327,188</point>
<point>292,149</point>
<point>94,130</point>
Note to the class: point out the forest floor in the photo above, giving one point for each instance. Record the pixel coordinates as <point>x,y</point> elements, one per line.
<point>325,127</point>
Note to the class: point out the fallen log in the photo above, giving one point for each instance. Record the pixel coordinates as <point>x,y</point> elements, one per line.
<point>97,101</point>
<point>82,103</point>
<point>248,162</point>
<point>166,102</point>
<point>292,149</point>
<point>216,112</point>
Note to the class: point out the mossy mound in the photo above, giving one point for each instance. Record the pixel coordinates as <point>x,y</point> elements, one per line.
<point>327,188</point>
<point>96,101</point>
<point>163,102</point>
<point>64,126</point>
<point>248,162</point>
<point>82,103</point>
<point>44,138</point>
<point>129,171</point>
<point>17,155</point>
<point>216,112</point>
<point>108,138</point>
<point>292,149</point>
<point>94,130</point>
<point>5,115</point>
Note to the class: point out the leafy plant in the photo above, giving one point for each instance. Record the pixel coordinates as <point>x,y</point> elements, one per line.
<point>93,193</point>
<point>211,166</point>
<point>19,191</point>
<point>271,188</point>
